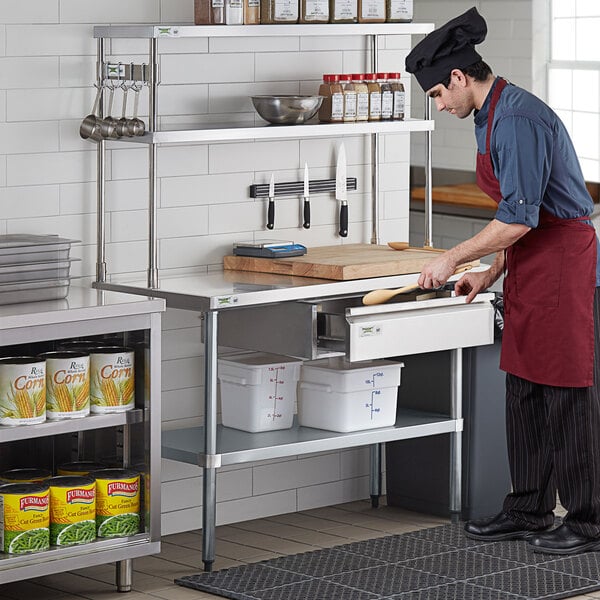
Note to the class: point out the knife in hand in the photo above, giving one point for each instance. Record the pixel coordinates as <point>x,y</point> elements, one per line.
<point>340,190</point>
<point>271,206</point>
<point>306,208</point>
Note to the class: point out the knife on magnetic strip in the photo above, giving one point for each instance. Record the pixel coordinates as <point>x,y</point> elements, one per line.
<point>271,205</point>
<point>306,208</point>
<point>340,190</point>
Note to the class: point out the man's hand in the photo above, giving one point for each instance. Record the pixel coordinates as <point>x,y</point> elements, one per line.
<point>436,272</point>
<point>471,284</point>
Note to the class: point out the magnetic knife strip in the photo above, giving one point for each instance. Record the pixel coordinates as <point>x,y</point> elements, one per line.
<point>296,188</point>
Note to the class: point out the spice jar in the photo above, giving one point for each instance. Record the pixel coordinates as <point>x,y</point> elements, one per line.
<point>314,11</point>
<point>387,97</point>
<point>234,12</point>
<point>349,98</point>
<point>399,96</point>
<point>332,107</point>
<point>371,11</point>
<point>251,12</point>
<point>343,11</point>
<point>362,97</point>
<point>209,12</point>
<point>279,11</point>
<point>399,11</point>
<point>374,97</point>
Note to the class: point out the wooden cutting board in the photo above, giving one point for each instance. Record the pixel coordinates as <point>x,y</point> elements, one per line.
<point>342,262</point>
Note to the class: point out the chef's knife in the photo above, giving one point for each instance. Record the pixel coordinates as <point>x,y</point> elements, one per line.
<point>340,190</point>
<point>306,210</point>
<point>271,206</point>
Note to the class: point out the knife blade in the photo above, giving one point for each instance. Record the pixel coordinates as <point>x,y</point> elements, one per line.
<point>340,190</point>
<point>306,208</point>
<point>271,205</point>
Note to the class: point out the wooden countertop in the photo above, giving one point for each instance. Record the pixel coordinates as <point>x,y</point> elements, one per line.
<point>466,195</point>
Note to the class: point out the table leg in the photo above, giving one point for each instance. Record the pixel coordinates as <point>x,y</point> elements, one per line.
<point>124,575</point>
<point>209,483</point>
<point>456,376</point>
<point>375,474</point>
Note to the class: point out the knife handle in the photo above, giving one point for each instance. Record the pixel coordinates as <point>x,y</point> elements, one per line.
<point>271,214</point>
<point>306,212</point>
<point>344,220</point>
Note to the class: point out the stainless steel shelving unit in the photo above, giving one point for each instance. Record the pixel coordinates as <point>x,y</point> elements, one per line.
<point>216,295</point>
<point>87,312</point>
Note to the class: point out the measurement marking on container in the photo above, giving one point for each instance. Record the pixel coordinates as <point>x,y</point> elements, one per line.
<point>373,381</point>
<point>371,405</point>
<point>276,380</point>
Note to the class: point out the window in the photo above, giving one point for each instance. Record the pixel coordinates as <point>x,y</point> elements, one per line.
<point>574,76</point>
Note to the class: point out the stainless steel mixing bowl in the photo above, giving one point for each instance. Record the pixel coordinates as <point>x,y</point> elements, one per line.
<point>287,109</point>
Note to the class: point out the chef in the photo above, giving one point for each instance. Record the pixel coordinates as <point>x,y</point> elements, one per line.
<point>548,251</point>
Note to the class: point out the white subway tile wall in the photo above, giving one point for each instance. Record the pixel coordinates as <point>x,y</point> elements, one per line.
<point>47,185</point>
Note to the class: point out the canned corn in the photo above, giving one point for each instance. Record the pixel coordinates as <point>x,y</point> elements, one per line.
<point>24,517</point>
<point>67,384</point>
<point>112,379</point>
<point>22,391</point>
<point>72,510</point>
<point>117,502</point>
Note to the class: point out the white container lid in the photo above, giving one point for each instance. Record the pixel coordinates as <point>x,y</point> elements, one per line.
<point>343,366</point>
<point>257,360</point>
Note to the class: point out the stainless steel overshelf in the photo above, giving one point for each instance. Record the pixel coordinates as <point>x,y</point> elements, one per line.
<point>234,446</point>
<point>223,132</point>
<point>231,289</point>
<point>204,31</point>
<point>11,434</point>
<point>16,567</point>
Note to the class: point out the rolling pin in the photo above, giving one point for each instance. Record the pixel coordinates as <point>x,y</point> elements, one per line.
<point>381,296</point>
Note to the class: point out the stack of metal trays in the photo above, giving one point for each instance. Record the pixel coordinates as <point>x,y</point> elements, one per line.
<point>34,267</point>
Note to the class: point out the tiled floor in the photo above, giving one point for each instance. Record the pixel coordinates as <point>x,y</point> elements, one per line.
<point>237,544</point>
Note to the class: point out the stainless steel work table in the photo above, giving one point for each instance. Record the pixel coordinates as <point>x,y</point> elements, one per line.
<point>213,446</point>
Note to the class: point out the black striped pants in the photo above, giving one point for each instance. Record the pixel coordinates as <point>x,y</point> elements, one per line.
<point>553,437</point>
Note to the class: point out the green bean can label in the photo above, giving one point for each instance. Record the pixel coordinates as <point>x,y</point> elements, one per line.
<point>112,380</point>
<point>22,391</point>
<point>72,510</point>
<point>24,518</point>
<point>117,502</point>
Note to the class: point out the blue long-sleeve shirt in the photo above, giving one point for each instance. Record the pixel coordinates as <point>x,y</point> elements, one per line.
<point>534,161</point>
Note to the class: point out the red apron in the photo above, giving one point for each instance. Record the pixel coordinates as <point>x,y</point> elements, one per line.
<point>549,284</point>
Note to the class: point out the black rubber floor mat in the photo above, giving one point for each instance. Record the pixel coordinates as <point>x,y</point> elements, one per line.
<point>432,564</point>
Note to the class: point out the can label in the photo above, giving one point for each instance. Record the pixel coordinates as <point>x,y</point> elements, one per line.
<point>112,382</point>
<point>118,506</point>
<point>22,392</point>
<point>24,522</point>
<point>68,387</point>
<point>72,514</point>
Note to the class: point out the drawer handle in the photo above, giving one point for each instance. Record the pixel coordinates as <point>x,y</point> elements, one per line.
<point>315,387</point>
<point>381,296</point>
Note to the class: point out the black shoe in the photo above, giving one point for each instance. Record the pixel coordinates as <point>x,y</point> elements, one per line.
<point>563,540</point>
<point>497,528</point>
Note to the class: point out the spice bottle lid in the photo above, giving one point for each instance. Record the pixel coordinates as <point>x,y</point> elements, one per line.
<point>330,78</point>
<point>382,75</point>
<point>393,75</point>
<point>358,76</point>
<point>370,76</point>
<point>345,77</point>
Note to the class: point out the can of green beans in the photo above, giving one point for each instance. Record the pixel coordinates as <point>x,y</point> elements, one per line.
<point>25,476</point>
<point>81,467</point>
<point>117,502</point>
<point>72,510</point>
<point>24,517</point>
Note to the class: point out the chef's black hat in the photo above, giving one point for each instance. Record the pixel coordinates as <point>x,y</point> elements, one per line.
<point>449,47</point>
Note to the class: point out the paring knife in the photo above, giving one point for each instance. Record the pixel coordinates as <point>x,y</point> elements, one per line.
<point>306,208</point>
<point>271,206</point>
<point>340,190</point>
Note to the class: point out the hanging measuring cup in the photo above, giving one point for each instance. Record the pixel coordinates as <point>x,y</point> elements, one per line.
<point>90,123</point>
<point>136,126</point>
<point>123,122</point>
<point>108,125</point>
